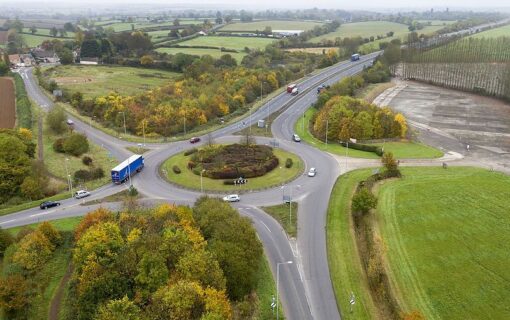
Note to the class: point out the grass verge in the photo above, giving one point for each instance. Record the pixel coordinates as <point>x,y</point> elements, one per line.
<point>346,272</point>
<point>400,149</point>
<point>266,289</point>
<point>138,150</point>
<point>446,234</point>
<point>188,179</point>
<point>281,214</point>
<point>117,197</point>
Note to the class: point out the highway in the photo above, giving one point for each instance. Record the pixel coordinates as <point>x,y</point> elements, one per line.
<point>305,286</point>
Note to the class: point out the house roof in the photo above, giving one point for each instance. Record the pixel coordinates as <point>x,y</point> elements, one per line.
<point>41,53</point>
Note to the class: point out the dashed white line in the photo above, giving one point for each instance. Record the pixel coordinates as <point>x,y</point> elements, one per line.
<point>12,220</point>
<point>265,226</point>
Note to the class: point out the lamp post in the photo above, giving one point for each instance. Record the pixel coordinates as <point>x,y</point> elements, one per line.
<point>124,116</point>
<point>290,203</point>
<point>201,181</point>
<point>277,285</point>
<point>69,182</point>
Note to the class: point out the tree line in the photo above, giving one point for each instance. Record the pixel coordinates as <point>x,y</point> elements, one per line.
<point>168,262</point>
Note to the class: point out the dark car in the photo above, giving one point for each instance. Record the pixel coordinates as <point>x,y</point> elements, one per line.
<point>194,140</point>
<point>49,204</point>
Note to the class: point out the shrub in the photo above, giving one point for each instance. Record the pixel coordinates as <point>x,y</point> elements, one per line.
<point>82,175</point>
<point>76,144</point>
<point>363,201</point>
<point>86,160</point>
<point>176,170</point>
<point>5,240</point>
<point>229,182</point>
<point>96,173</point>
<point>190,151</point>
<point>364,147</point>
<point>132,191</point>
<point>288,163</point>
<point>56,120</point>
<point>58,145</point>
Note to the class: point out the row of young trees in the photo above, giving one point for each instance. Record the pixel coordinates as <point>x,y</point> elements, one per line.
<point>478,65</point>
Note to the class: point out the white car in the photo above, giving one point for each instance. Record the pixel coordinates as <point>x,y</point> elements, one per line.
<point>232,198</point>
<point>81,194</point>
<point>296,138</point>
<point>312,172</point>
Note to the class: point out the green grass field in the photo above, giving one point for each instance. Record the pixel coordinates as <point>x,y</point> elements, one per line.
<point>274,24</point>
<point>447,238</point>
<point>282,214</point>
<point>33,41</point>
<point>275,177</point>
<point>344,264</point>
<point>437,22</point>
<point>94,81</point>
<point>503,31</point>
<point>237,43</point>
<point>46,32</point>
<point>401,150</point>
<point>215,53</point>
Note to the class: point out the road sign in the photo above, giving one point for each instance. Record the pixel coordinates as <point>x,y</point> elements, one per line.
<point>273,304</point>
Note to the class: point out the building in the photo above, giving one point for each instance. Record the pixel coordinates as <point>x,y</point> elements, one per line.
<point>89,61</point>
<point>15,60</point>
<point>287,33</point>
<point>41,55</point>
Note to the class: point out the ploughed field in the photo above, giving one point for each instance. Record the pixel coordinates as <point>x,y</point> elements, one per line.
<point>7,103</point>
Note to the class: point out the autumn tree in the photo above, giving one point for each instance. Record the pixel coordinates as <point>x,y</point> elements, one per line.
<point>363,201</point>
<point>33,251</point>
<point>389,162</point>
<point>6,239</point>
<point>146,60</point>
<point>119,309</point>
<point>55,119</point>
<point>14,165</point>
<point>14,295</point>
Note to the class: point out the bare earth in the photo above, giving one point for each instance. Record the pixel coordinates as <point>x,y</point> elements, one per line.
<point>7,103</point>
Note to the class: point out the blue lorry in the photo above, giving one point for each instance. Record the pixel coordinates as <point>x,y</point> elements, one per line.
<point>355,57</point>
<point>127,168</point>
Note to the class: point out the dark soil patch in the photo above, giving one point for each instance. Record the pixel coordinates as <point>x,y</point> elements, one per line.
<point>7,103</point>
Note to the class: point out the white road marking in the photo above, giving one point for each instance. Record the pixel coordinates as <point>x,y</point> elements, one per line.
<point>265,226</point>
<point>8,221</point>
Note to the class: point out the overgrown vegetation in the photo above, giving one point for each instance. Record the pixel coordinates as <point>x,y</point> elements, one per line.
<point>23,104</point>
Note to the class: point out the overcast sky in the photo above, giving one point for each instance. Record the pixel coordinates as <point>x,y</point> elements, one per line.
<point>271,4</point>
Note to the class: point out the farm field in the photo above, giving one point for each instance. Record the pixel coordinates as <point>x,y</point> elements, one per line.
<point>46,32</point>
<point>126,26</point>
<point>503,31</point>
<point>94,81</point>
<point>7,103</point>
<point>437,22</point>
<point>215,53</point>
<point>237,43</point>
<point>446,238</point>
<point>274,24</point>
<point>34,40</point>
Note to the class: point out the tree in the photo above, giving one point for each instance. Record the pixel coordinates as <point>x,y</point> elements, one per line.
<point>363,201</point>
<point>76,144</point>
<point>69,27</point>
<point>101,242</point>
<point>33,29</point>
<point>6,239</point>
<point>31,188</point>
<point>146,60</point>
<point>181,300</point>
<point>120,309</point>
<point>267,30</point>
<point>4,68</point>
<point>177,22</point>
<point>14,295</point>
<point>389,162</point>
<point>228,19</point>
<point>414,315</point>
<point>92,218</point>
<point>33,251</point>
<point>14,165</point>
<point>53,31</point>
<point>90,48</point>
<point>152,272</point>
<point>401,120</point>
<point>62,32</point>
<point>66,56</point>
<point>50,232</point>
<point>219,18</point>
<point>55,119</point>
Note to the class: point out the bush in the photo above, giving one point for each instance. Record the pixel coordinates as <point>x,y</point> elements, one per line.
<point>229,182</point>
<point>58,145</point>
<point>86,160</point>
<point>288,163</point>
<point>363,201</point>
<point>364,147</point>
<point>176,169</point>
<point>23,104</point>
<point>76,144</point>
<point>82,175</point>
<point>190,151</point>
<point>97,173</point>
<point>56,120</point>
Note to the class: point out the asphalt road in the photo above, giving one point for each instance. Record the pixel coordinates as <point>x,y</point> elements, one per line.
<point>305,286</point>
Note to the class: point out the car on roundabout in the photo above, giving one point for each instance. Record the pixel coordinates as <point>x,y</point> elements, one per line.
<point>312,172</point>
<point>232,198</point>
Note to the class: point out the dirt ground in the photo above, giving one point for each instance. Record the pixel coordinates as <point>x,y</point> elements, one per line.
<point>7,103</point>
<point>476,126</point>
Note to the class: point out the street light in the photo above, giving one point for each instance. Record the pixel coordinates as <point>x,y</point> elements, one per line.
<point>277,285</point>
<point>290,203</point>
<point>69,182</point>
<point>124,116</point>
<point>201,181</point>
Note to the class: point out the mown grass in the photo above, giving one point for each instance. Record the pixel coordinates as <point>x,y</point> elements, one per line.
<point>215,53</point>
<point>266,289</point>
<point>188,179</point>
<point>95,81</point>
<point>281,213</point>
<point>344,264</point>
<point>401,150</point>
<point>34,40</point>
<point>447,240</point>
<point>274,24</point>
<point>46,32</point>
<point>237,43</point>
<point>138,150</point>
<point>64,224</point>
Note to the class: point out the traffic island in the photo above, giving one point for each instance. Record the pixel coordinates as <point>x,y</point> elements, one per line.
<point>236,167</point>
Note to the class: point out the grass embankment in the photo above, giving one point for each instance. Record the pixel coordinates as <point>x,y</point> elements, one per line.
<point>274,24</point>
<point>447,240</point>
<point>344,264</point>
<point>266,290</point>
<point>400,150</point>
<point>95,81</point>
<point>503,31</point>
<point>281,213</point>
<point>188,179</point>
